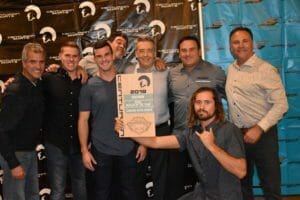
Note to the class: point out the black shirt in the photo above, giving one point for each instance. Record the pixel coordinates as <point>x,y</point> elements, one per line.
<point>61,115</point>
<point>21,117</point>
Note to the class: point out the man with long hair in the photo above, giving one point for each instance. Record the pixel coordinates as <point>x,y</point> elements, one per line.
<point>214,145</point>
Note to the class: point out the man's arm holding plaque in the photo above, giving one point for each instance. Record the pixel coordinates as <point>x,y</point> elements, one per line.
<point>135,104</point>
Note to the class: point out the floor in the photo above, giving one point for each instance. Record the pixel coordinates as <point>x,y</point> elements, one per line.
<point>285,198</point>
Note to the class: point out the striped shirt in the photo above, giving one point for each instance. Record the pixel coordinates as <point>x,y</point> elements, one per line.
<point>255,94</point>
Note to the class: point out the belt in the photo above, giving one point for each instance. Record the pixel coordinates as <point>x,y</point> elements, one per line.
<point>162,124</point>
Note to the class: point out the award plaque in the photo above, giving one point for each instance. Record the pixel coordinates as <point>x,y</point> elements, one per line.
<point>135,104</point>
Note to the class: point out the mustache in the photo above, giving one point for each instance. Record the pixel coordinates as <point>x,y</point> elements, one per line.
<point>202,110</point>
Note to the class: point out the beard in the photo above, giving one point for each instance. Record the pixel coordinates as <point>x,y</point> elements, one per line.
<point>203,115</point>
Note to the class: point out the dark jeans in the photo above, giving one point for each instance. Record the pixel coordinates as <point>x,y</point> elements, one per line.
<point>107,165</point>
<point>59,164</point>
<point>177,174</point>
<point>263,155</point>
<point>158,160</point>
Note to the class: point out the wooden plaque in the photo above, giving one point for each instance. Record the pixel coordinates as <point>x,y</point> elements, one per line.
<point>135,104</point>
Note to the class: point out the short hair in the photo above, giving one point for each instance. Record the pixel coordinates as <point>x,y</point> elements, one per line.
<point>241,29</point>
<point>71,44</point>
<point>145,38</point>
<point>118,34</point>
<point>34,47</point>
<point>100,44</point>
<point>189,37</point>
<point>219,111</point>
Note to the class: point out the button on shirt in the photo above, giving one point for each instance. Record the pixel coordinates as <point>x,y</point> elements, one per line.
<point>160,91</point>
<point>60,126</point>
<point>255,94</point>
<point>217,181</point>
<point>183,84</point>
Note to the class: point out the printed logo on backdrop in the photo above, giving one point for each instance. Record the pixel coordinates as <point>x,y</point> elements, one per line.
<point>40,152</point>
<point>104,31</point>
<point>158,28</point>
<point>8,15</point>
<point>33,12</point>
<point>269,22</point>
<point>88,8</point>
<point>184,27</point>
<point>114,8</point>
<point>260,44</point>
<point>253,1</point>
<point>49,34</point>
<point>44,193</point>
<point>142,6</point>
<point>87,51</point>
<point>193,5</point>
<point>227,1</point>
<point>215,25</point>
<point>169,5</point>
<point>144,81</point>
<point>149,189</point>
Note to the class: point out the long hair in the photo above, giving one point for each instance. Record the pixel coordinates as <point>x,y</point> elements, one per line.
<point>219,111</point>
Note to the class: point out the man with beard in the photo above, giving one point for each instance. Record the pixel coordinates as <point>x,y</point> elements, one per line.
<point>214,145</point>
<point>184,79</point>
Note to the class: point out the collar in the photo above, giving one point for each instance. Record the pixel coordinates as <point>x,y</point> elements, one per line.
<point>197,66</point>
<point>214,125</point>
<point>65,74</point>
<point>138,69</point>
<point>250,63</point>
<point>24,78</point>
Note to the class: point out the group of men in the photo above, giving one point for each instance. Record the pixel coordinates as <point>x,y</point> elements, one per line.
<point>222,154</point>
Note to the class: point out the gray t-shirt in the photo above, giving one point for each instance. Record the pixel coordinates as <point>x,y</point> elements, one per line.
<point>219,183</point>
<point>99,97</point>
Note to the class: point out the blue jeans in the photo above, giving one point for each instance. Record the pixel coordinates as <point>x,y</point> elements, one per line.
<point>109,165</point>
<point>59,165</point>
<point>28,188</point>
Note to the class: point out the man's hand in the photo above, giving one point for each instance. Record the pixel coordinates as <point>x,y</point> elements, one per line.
<point>160,65</point>
<point>7,83</point>
<point>207,138</point>
<point>141,153</point>
<point>118,125</point>
<point>52,68</point>
<point>88,160</point>
<point>252,135</point>
<point>81,73</point>
<point>2,87</point>
<point>18,172</point>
